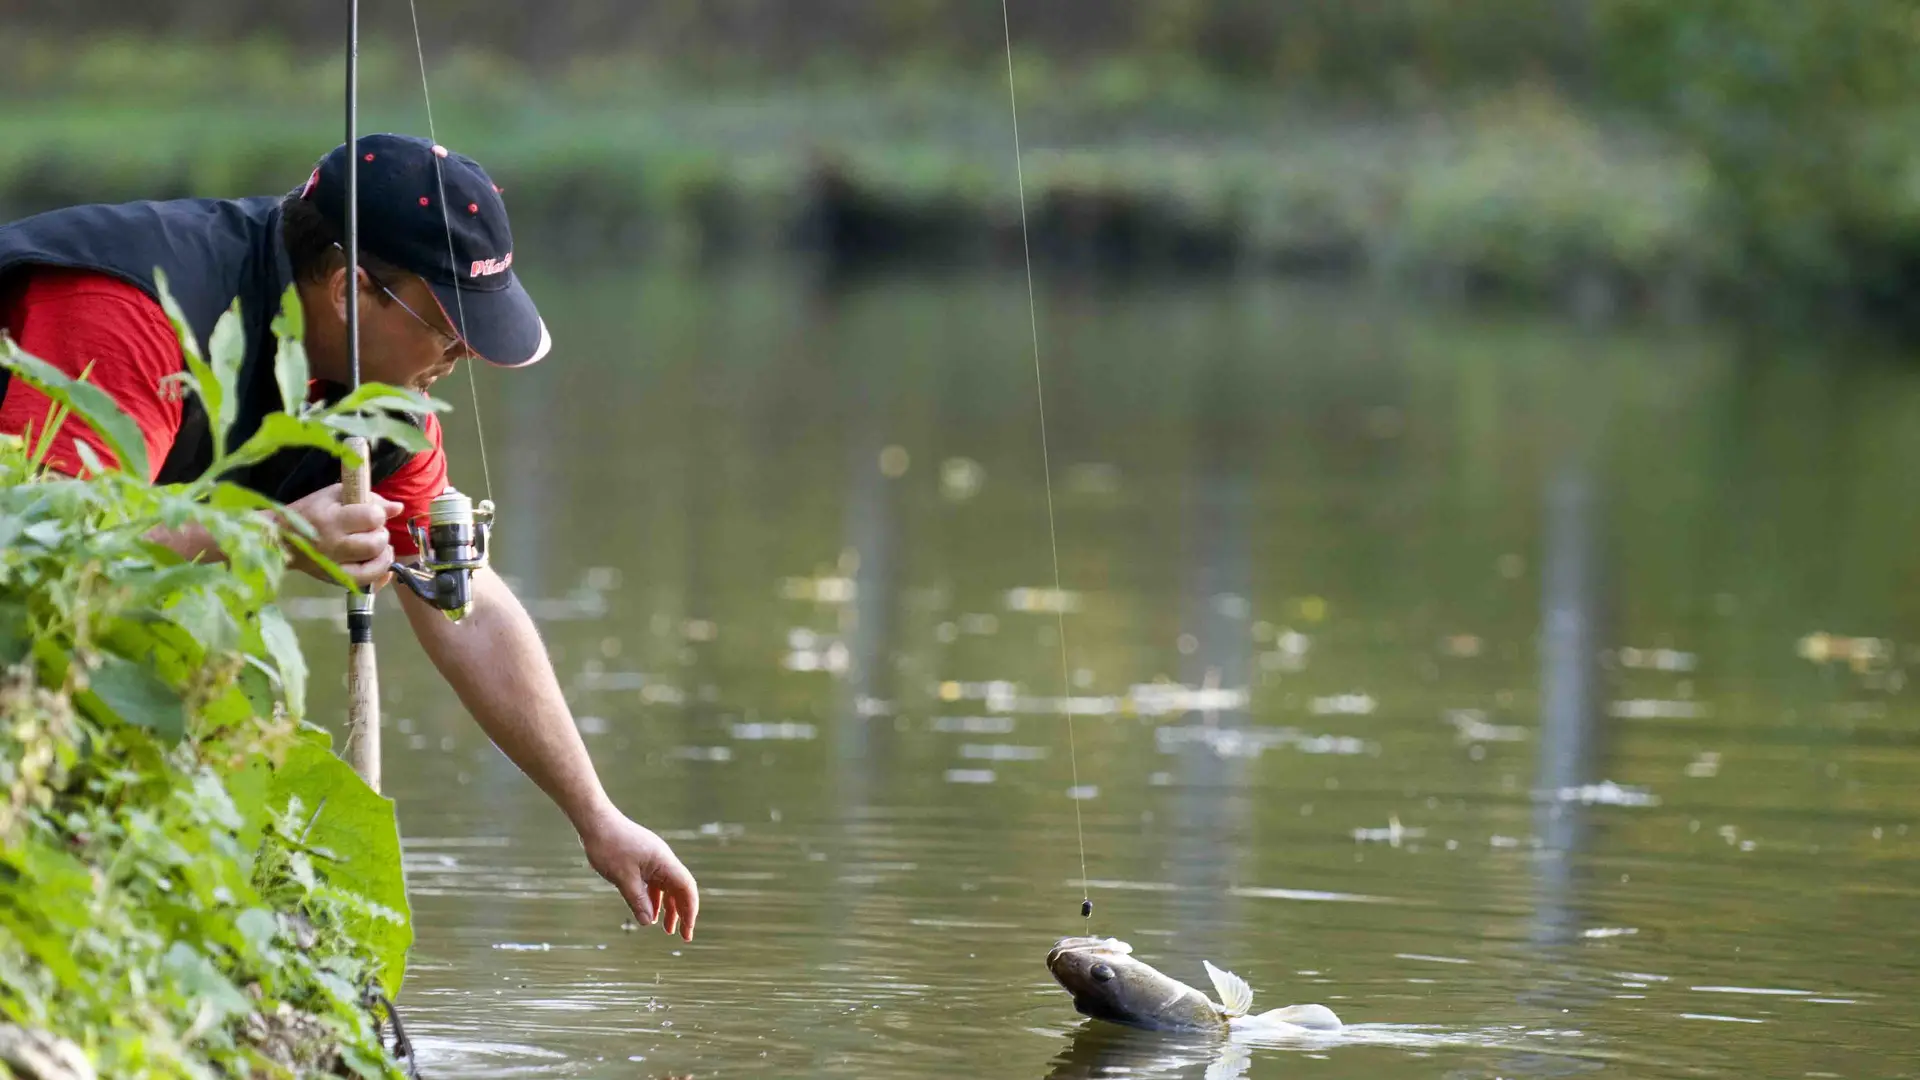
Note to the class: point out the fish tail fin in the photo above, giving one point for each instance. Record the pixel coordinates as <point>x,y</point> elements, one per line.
<point>1236,997</point>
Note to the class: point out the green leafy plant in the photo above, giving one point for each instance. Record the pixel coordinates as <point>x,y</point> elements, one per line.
<point>191,882</point>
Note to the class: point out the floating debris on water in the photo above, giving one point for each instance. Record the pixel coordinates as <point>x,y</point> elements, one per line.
<point>1858,652</point>
<point>1084,792</point>
<point>974,725</point>
<point>1705,766</point>
<point>1361,704</point>
<point>1471,725</point>
<point>810,650</point>
<point>1251,742</point>
<point>782,730</point>
<point>894,461</point>
<point>590,725</point>
<point>1607,793</point>
<point>969,776</point>
<point>1461,646</point>
<point>1169,699</point>
<point>1289,655</point>
<point>1393,835</point>
<point>1046,600</point>
<point>1598,932</point>
<point>702,753</point>
<point>1002,752</point>
<point>961,479</point>
<point>1657,659</point>
<point>1657,709</point>
<point>1310,895</point>
<point>662,694</point>
<point>832,589</point>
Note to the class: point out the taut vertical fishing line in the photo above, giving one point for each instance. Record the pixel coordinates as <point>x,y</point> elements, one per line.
<point>1046,466</point>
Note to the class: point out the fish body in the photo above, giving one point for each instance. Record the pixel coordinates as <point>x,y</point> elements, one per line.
<point>1107,983</point>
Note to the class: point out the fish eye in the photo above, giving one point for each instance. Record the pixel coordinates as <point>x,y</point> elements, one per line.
<point>1101,973</point>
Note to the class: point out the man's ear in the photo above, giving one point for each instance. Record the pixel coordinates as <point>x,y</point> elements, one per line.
<point>337,291</point>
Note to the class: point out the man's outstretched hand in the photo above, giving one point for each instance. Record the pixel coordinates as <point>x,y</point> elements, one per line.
<point>656,885</point>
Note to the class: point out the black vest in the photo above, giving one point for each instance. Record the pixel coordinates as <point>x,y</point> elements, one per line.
<point>213,252</point>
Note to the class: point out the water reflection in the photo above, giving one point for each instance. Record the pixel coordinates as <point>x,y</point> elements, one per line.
<point>1372,566</point>
<point>1096,1050</point>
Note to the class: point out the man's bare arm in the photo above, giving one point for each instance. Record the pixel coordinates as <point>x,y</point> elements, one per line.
<point>496,663</point>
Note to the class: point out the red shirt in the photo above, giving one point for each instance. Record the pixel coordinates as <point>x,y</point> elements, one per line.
<point>72,318</point>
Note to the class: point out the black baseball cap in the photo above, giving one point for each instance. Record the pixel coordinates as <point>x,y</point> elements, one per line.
<point>437,214</point>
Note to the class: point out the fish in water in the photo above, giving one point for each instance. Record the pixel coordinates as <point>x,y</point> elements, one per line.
<point>1107,983</point>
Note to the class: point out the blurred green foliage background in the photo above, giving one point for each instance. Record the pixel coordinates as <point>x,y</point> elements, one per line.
<point>1759,156</point>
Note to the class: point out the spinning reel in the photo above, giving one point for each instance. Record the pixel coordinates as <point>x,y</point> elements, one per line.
<point>452,546</point>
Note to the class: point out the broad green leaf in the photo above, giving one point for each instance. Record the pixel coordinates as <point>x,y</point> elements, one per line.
<point>376,428</point>
<point>283,646</point>
<point>258,927</point>
<point>15,635</point>
<point>359,827</point>
<point>172,652</point>
<point>230,496</point>
<point>250,787</point>
<point>135,696</point>
<point>389,398</point>
<point>229,348</point>
<point>196,977</point>
<point>189,341</point>
<point>205,382</point>
<point>278,432</point>
<point>89,402</point>
<point>290,368</point>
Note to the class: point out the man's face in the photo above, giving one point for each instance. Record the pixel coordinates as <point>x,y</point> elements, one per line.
<point>405,339</point>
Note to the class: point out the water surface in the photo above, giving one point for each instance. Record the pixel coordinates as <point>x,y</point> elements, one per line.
<point>1531,695</point>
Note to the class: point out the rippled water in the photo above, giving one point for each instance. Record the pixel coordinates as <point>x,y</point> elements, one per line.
<point>1532,696</point>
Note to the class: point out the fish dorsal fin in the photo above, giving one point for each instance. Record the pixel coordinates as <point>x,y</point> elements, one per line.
<point>1236,997</point>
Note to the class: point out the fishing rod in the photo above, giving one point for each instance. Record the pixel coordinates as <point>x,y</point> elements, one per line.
<point>454,542</point>
<point>363,674</point>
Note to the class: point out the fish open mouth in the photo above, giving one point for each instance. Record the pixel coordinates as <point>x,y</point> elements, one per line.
<point>1086,944</point>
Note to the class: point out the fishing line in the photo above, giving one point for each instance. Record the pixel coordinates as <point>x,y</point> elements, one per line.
<point>1046,465</point>
<point>473,386</point>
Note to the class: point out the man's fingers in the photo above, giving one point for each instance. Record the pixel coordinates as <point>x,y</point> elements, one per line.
<point>363,547</point>
<point>643,908</point>
<point>370,573</point>
<point>688,903</point>
<point>361,517</point>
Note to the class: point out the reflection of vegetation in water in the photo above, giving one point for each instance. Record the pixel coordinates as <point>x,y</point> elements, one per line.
<point>189,878</point>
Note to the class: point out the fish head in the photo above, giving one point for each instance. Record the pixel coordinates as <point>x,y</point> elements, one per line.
<point>1107,983</point>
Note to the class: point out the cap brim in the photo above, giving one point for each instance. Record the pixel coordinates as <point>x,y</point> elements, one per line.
<point>502,325</point>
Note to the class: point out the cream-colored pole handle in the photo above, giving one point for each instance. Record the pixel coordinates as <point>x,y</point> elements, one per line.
<point>363,676</point>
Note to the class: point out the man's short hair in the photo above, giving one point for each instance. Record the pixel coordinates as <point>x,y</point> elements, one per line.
<point>312,244</point>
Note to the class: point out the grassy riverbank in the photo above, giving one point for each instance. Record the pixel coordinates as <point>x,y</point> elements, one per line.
<point>191,882</point>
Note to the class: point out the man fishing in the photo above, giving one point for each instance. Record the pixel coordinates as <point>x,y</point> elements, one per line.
<point>78,289</point>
